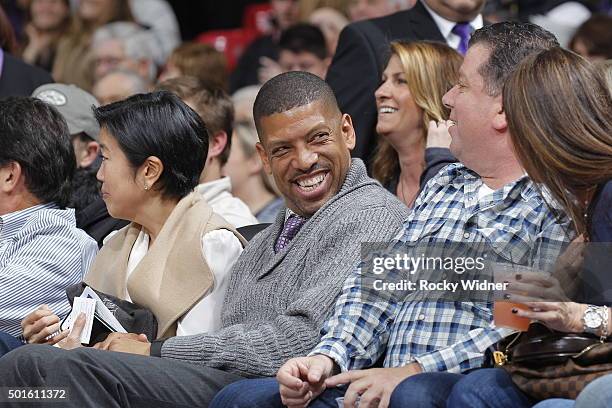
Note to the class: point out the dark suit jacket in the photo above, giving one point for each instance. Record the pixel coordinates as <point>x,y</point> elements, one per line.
<point>20,79</point>
<point>357,67</point>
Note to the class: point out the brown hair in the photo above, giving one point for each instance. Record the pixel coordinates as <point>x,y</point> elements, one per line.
<point>606,70</point>
<point>559,113</point>
<point>430,69</point>
<point>214,106</point>
<point>202,61</point>
<point>596,35</point>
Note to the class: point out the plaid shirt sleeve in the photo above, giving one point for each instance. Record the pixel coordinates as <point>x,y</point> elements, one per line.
<point>357,334</point>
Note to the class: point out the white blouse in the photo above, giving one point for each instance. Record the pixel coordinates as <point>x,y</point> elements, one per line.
<point>220,249</point>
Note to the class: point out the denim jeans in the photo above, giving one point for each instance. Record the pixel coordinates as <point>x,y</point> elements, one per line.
<point>8,343</point>
<point>487,388</point>
<point>263,393</point>
<point>428,390</point>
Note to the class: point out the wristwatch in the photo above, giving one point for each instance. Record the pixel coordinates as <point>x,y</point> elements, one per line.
<point>595,320</point>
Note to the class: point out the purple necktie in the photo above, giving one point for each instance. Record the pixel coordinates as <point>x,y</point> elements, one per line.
<point>290,230</point>
<point>464,31</point>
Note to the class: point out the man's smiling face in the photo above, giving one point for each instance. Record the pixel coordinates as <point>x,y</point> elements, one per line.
<point>307,150</point>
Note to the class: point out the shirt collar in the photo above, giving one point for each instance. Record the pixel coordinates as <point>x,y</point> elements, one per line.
<point>446,26</point>
<point>11,223</point>
<point>212,189</point>
<point>463,178</point>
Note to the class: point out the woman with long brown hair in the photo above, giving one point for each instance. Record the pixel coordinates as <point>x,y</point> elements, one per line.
<point>49,20</point>
<point>559,112</point>
<point>409,101</point>
<point>74,62</point>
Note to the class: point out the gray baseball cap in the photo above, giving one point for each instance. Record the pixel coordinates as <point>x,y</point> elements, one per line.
<point>74,104</point>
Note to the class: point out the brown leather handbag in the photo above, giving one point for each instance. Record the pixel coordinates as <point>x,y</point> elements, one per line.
<point>546,364</point>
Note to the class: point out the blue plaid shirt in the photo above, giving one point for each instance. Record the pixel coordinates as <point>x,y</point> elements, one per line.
<point>514,222</point>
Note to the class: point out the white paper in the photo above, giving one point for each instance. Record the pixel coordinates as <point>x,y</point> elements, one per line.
<point>88,307</point>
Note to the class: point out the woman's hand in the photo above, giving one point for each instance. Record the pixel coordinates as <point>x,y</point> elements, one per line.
<point>561,316</point>
<point>561,286</point>
<point>39,325</point>
<point>437,134</point>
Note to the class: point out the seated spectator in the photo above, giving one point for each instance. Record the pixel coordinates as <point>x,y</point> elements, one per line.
<point>243,100</point>
<point>153,149</point>
<point>124,45</point>
<point>75,105</point>
<point>303,48</point>
<point>283,285</point>
<point>250,183</point>
<point>331,22</point>
<point>197,60</point>
<point>74,62</point>
<point>485,201</point>
<point>215,108</point>
<point>264,51</point>
<point>159,16</point>
<point>49,19</point>
<point>593,39</point>
<point>16,77</point>
<point>409,101</point>
<point>119,84</point>
<point>559,110</point>
<point>41,249</point>
<point>365,9</point>
<point>356,68</point>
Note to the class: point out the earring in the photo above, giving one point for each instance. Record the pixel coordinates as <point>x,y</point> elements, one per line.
<point>146,187</point>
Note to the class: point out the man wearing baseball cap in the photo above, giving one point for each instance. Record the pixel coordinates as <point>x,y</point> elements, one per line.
<point>75,105</point>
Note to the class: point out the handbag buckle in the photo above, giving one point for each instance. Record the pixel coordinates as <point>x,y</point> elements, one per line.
<point>500,358</point>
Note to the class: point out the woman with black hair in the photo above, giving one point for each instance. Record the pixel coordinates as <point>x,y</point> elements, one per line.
<point>154,148</point>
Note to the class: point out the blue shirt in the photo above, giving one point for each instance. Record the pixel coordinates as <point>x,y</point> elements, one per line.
<point>41,253</point>
<point>514,222</point>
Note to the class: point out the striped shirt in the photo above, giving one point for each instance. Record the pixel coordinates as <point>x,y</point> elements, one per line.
<point>513,222</point>
<point>41,253</point>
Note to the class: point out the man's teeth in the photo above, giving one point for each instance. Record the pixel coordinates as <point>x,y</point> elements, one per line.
<point>311,183</point>
<point>387,109</point>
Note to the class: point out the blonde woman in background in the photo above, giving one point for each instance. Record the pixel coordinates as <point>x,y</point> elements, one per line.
<point>409,104</point>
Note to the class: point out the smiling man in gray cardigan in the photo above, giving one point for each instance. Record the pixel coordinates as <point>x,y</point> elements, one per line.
<point>282,287</point>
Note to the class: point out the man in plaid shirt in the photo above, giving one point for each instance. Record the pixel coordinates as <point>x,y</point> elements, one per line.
<point>486,200</point>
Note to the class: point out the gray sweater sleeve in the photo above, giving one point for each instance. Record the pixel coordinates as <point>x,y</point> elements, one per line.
<point>256,349</point>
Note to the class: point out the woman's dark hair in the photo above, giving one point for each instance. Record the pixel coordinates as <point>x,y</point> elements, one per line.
<point>36,136</point>
<point>159,124</point>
